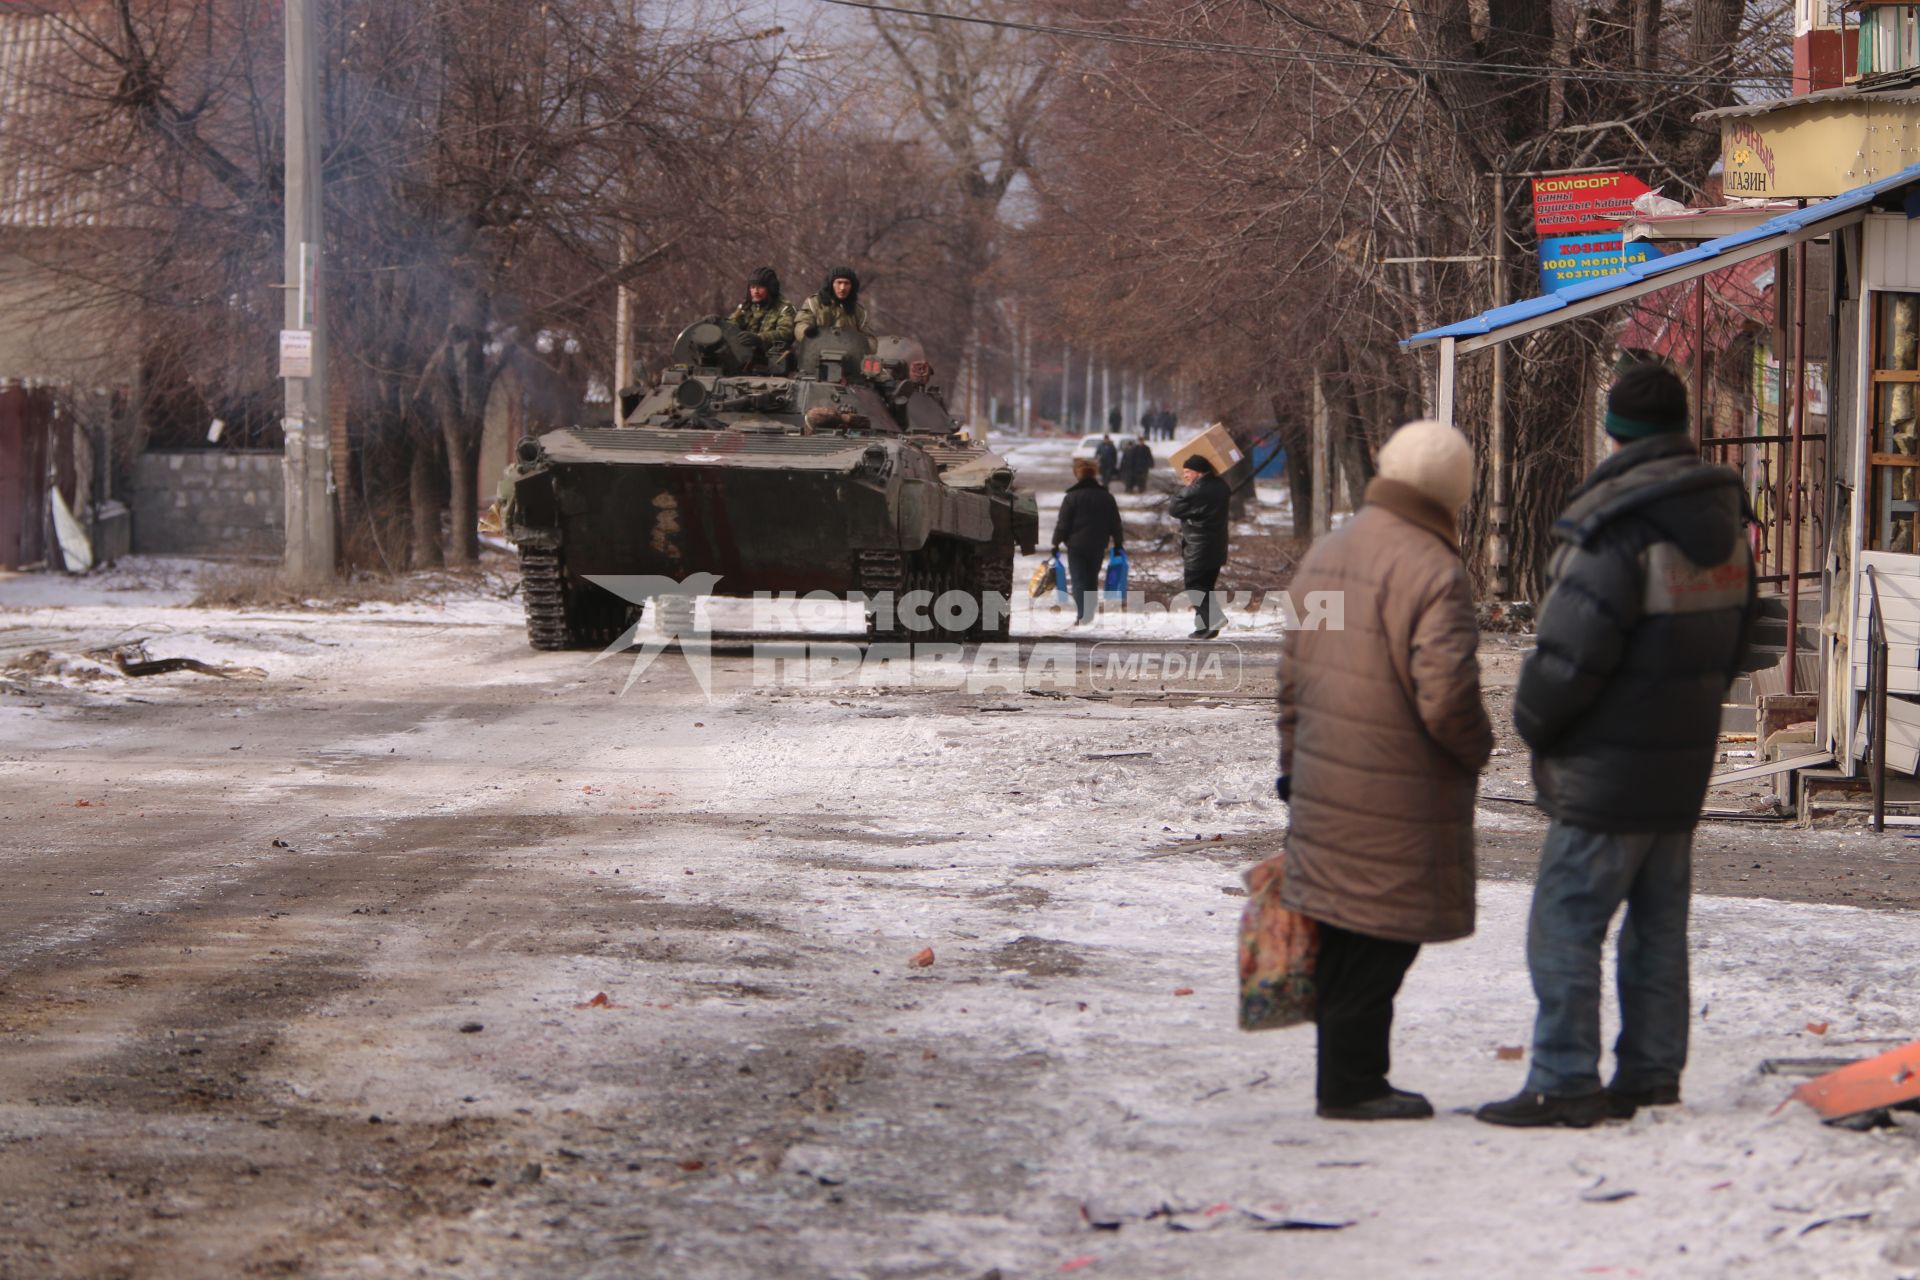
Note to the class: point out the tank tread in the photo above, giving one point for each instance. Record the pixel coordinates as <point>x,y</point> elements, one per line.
<point>543,590</point>
<point>880,570</point>
<point>992,575</point>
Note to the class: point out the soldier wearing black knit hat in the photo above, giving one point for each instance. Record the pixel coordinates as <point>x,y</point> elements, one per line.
<point>766,316</point>
<point>836,306</point>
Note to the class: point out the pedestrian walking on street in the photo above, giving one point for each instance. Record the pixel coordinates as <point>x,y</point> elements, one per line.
<point>1088,522</point>
<point>1135,467</point>
<point>1106,455</point>
<point>1382,738</point>
<point>1650,599</point>
<point>1201,509</point>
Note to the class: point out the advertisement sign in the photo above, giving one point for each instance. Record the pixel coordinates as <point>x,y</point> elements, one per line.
<point>1767,370</point>
<point>296,353</point>
<point>1578,202</point>
<point>1571,260</point>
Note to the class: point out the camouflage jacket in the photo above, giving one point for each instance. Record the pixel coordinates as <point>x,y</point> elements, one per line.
<point>815,314</point>
<point>771,322</point>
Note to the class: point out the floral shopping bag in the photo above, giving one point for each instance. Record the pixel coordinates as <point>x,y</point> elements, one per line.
<point>1278,949</point>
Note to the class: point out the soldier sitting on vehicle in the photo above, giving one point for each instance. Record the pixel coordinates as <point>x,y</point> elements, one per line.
<point>767,317</point>
<point>836,306</point>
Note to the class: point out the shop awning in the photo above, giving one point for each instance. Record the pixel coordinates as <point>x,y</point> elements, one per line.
<point>1517,319</point>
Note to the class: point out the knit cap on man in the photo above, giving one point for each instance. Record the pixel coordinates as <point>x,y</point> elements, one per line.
<point>1646,400</point>
<point>1433,458</point>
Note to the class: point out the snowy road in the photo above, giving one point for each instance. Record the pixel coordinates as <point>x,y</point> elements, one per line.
<point>302,976</point>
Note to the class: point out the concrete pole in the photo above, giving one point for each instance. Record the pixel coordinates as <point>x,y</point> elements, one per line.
<point>1106,395</point>
<point>1501,498</point>
<point>976,376</point>
<point>309,472</point>
<point>622,333</point>
<point>1066,387</point>
<point>1086,403</point>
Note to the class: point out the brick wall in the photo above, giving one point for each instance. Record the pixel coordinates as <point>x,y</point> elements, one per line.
<point>211,501</point>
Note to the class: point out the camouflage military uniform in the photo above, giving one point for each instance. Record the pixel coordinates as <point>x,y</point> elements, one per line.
<point>818,315</point>
<point>771,322</point>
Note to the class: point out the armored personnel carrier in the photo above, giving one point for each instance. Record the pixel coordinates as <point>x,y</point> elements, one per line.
<point>843,473</point>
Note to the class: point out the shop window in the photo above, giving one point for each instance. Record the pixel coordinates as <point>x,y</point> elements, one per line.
<point>1893,457</point>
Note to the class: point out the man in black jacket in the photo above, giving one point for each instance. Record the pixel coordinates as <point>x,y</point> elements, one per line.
<point>1649,601</point>
<point>1136,465</point>
<point>1106,456</point>
<point>1201,509</point>
<point>1089,519</point>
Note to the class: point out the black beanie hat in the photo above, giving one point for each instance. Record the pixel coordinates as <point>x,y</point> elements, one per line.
<point>1198,463</point>
<point>766,278</point>
<point>841,273</point>
<point>1646,400</point>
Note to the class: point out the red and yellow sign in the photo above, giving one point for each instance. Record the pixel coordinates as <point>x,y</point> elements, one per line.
<point>1575,202</point>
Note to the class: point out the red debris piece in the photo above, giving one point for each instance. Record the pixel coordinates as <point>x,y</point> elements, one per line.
<point>921,959</point>
<point>1891,1078</point>
<point>1183,991</point>
<point>1818,1028</point>
<point>599,1001</point>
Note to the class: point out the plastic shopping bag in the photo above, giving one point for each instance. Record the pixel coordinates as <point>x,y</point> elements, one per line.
<point>1113,589</point>
<point>1278,951</point>
<point>1042,580</point>
<point>1060,583</point>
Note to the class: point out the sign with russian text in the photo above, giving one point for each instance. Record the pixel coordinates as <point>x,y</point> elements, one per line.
<point>1583,202</point>
<point>296,353</point>
<point>1569,260</point>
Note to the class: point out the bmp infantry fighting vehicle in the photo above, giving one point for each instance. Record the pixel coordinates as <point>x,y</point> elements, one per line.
<point>845,476</point>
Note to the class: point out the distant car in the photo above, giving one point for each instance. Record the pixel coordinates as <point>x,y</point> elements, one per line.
<point>1089,443</point>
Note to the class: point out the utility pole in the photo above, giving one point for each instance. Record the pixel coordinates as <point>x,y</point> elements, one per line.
<point>1086,403</point>
<point>303,341</point>
<point>1066,387</point>
<point>1106,395</point>
<point>1502,465</point>
<point>622,331</point>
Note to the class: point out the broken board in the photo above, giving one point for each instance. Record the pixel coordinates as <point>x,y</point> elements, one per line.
<point>1870,1085</point>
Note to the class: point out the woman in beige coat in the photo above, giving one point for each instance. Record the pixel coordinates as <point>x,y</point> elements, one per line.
<point>1382,738</point>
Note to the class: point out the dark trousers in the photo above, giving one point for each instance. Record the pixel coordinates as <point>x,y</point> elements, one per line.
<point>1355,982</point>
<point>1083,571</point>
<point>1200,584</point>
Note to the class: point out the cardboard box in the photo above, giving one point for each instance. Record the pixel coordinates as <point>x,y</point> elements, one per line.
<point>1215,445</point>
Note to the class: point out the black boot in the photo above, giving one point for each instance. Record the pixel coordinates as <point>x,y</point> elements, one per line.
<point>1623,1101</point>
<point>1545,1111</point>
<point>1396,1104</point>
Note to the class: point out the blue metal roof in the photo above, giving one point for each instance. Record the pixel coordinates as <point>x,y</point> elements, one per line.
<point>1785,225</point>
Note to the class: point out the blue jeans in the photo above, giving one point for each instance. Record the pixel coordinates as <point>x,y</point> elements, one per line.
<point>1584,878</point>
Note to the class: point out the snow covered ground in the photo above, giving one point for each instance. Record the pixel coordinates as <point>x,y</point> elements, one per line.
<point>1069,1055</point>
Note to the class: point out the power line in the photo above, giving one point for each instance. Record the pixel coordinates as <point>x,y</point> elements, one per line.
<point>1268,53</point>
